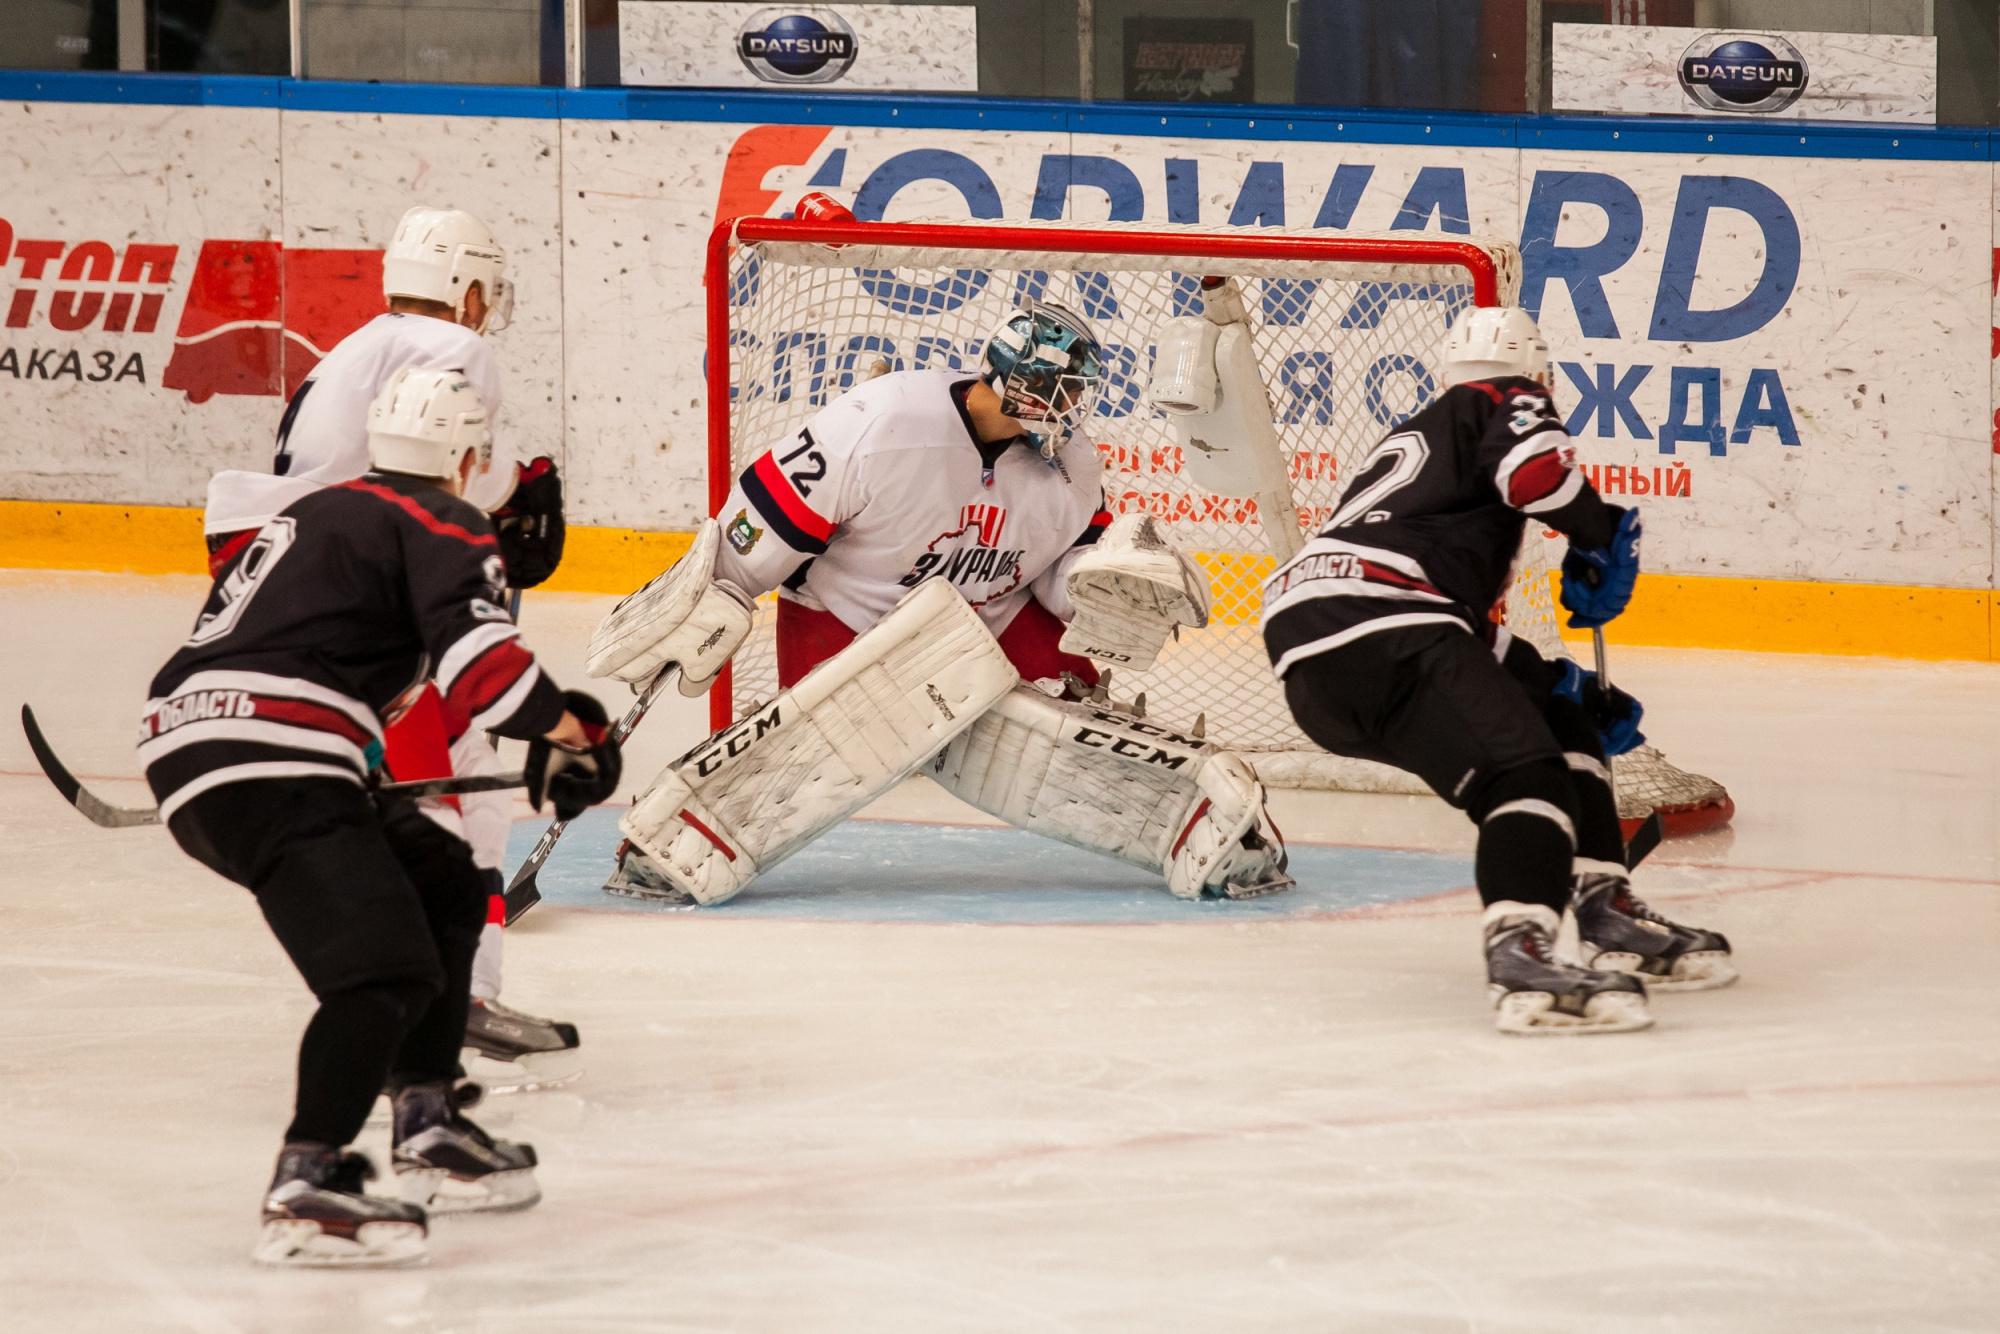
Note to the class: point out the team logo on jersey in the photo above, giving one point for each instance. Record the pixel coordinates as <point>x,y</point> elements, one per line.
<point>983,563</point>
<point>988,519</point>
<point>742,533</point>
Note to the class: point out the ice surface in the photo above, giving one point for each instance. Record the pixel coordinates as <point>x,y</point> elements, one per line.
<point>936,1076</point>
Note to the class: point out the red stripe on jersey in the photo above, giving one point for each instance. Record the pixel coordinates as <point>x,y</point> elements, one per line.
<point>317,717</point>
<point>1382,574</point>
<point>225,547</point>
<point>422,515</point>
<point>788,498</point>
<point>1487,390</point>
<point>488,677</point>
<point>1101,519</point>
<point>1540,476</point>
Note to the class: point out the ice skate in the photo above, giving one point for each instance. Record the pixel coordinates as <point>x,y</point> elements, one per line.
<point>1617,932</point>
<point>449,1165</point>
<point>318,1214</point>
<point>638,878</point>
<point>1535,994</point>
<point>512,1052</point>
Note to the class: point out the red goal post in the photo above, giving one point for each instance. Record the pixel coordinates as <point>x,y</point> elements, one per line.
<point>1345,324</point>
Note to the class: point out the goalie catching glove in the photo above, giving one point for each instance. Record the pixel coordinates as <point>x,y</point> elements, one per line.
<point>685,617</point>
<point>574,780</point>
<point>1131,591</point>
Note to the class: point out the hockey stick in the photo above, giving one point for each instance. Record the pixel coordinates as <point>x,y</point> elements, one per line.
<point>1649,833</point>
<point>106,816</point>
<point>522,892</point>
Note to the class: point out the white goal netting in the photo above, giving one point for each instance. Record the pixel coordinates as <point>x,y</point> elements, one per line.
<point>1345,327</point>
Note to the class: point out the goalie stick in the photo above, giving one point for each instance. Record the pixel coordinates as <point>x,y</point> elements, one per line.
<point>522,892</point>
<point>107,816</point>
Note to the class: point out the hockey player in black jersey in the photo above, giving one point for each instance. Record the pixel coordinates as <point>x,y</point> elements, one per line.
<point>259,740</point>
<point>1382,632</point>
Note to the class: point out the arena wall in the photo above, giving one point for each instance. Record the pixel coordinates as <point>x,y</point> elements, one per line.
<point>1777,340</point>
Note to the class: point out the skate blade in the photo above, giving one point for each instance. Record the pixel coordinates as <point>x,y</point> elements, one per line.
<point>1534,1014</point>
<point>1702,970</point>
<point>302,1244</point>
<point>526,1073</point>
<point>494,1193</point>
<point>669,898</point>
<point>1699,970</point>
<point>1261,889</point>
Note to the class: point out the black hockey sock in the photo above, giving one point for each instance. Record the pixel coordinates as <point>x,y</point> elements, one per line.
<point>345,1055</point>
<point>455,896</point>
<point>1527,819</point>
<point>430,1051</point>
<point>1598,837</point>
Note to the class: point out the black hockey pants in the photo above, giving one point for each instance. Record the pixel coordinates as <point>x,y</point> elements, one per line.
<point>1527,766</point>
<point>379,908</point>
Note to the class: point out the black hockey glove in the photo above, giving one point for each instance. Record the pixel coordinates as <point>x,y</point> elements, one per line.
<point>574,780</point>
<point>1616,713</point>
<point>530,525</point>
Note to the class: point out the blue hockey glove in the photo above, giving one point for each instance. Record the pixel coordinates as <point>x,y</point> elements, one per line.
<point>1616,713</point>
<point>1597,581</point>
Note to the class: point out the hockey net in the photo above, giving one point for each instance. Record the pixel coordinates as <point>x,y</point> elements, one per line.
<point>1344,324</point>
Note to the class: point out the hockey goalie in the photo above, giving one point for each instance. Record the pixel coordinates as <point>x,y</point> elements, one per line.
<point>943,559</point>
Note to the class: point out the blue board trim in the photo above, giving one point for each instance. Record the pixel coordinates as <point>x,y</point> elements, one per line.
<point>1666,134</point>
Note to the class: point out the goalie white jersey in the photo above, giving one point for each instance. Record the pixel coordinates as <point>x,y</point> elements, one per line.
<point>887,486</point>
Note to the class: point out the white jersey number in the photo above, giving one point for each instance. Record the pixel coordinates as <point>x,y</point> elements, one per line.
<point>244,579</point>
<point>1409,451</point>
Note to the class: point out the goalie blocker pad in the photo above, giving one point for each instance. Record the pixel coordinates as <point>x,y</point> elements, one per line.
<point>1130,591</point>
<point>861,721</point>
<point>1120,785</point>
<point>684,616</point>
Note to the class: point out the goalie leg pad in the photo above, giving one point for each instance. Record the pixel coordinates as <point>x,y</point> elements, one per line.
<point>857,724</point>
<point>1120,785</point>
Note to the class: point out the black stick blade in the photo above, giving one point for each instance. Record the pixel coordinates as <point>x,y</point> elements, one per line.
<point>98,812</point>
<point>522,895</point>
<point>1644,839</point>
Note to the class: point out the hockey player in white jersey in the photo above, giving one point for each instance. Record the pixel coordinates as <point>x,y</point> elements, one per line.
<point>937,536</point>
<point>444,280</point>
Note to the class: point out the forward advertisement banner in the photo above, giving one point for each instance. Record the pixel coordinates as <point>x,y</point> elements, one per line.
<point>1789,366</point>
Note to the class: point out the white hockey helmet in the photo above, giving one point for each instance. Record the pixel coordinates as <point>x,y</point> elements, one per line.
<point>1488,342</point>
<point>437,255</point>
<point>424,423</point>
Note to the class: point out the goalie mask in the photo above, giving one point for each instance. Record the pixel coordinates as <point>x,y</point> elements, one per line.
<point>1048,368</point>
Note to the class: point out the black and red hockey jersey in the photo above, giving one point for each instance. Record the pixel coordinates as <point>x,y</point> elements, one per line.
<point>317,630</point>
<point>1429,528</point>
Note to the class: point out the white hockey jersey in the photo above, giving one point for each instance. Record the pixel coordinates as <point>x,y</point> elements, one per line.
<point>887,486</point>
<point>323,437</point>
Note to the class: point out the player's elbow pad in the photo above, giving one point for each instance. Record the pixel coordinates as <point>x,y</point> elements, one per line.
<point>685,618</point>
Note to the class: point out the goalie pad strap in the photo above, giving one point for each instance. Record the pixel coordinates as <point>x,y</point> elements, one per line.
<point>752,794</point>
<point>1114,784</point>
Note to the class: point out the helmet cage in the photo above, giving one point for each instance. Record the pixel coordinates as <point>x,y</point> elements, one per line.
<point>1048,368</point>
